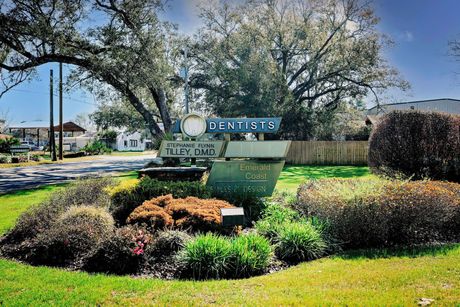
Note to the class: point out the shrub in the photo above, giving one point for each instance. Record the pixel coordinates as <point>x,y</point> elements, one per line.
<point>39,218</point>
<point>197,214</point>
<point>152,214</point>
<point>76,232</point>
<point>6,143</point>
<point>273,219</point>
<point>416,144</point>
<point>169,242</point>
<point>375,213</point>
<point>96,148</point>
<point>124,202</point>
<point>191,212</point>
<point>119,253</point>
<point>299,242</point>
<point>5,158</point>
<point>250,255</point>
<point>207,256</point>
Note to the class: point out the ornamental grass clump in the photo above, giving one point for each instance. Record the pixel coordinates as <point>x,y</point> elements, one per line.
<point>169,242</point>
<point>207,257</point>
<point>299,242</point>
<point>250,255</point>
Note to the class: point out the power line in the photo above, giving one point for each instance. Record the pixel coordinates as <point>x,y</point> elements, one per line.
<point>55,94</point>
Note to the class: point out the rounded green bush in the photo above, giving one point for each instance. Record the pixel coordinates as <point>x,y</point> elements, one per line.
<point>207,256</point>
<point>250,255</point>
<point>299,242</point>
<point>76,232</point>
<point>169,242</point>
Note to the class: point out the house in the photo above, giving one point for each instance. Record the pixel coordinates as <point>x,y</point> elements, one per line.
<point>446,105</point>
<point>131,141</point>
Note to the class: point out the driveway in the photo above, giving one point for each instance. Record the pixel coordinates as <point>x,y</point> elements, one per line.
<point>19,178</point>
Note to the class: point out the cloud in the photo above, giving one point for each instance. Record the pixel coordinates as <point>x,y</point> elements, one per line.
<point>406,36</point>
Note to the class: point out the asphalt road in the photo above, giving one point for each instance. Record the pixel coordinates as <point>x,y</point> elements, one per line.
<point>19,178</point>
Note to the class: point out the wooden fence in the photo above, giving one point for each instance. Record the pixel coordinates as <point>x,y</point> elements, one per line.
<point>328,152</point>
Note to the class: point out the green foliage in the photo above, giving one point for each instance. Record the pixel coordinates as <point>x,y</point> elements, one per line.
<point>299,242</point>
<point>75,233</point>
<point>169,242</point>
<point>5,158</point>
<point>207,256</point>
<point>416,145</point>
<point>376,213</point>
<point>274,218</point>
<point>255,58</point>
<point>109,136</point>
<point>212,256</point>
<point>39,218</point>
<point>6,143</point>
<point>250,255</point>
<point>168,136</point>
<point>96,148</point>
<point>124,202</point>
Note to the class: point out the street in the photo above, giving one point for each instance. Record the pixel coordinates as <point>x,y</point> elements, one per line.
<point>18,178</point>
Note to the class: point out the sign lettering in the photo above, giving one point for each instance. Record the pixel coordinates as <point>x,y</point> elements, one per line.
<point>190,149</point>
<point>238,125</point>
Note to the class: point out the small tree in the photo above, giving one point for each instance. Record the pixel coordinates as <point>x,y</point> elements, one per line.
<point>416,144</point>
<point>6,143</point>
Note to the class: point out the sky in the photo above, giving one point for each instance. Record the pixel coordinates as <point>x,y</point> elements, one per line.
<point>420,29</point>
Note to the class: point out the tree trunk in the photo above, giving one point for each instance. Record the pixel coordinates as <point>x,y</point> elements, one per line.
<point>159,97</point>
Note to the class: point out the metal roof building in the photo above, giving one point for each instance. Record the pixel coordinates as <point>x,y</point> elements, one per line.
<point>446,105</point>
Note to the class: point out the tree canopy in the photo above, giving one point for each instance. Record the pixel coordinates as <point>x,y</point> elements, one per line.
<point>289,58</point>
<point>298,59</point>
<point>117,42</point>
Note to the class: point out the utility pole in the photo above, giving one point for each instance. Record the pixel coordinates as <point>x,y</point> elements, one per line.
<point>61,128</point>
<point>52,142</point>
<point>186,80</point>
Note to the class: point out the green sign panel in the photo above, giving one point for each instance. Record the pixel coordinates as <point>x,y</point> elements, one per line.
<point>190,149</point>
<point>246,178</point>
<point>257,149</point>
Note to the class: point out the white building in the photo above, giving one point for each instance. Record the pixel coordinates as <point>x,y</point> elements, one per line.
<point>446,105</point>
<point>131,141</point>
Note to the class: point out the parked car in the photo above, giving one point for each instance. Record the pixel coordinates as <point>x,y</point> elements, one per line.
<point>29,144</point>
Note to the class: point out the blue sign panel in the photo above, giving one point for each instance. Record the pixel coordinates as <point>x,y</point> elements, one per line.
<point>238,125</point>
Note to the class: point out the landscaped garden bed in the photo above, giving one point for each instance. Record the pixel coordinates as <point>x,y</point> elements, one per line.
<point>172,230</point>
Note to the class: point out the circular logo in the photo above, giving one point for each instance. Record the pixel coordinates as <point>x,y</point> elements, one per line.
<point>193,125</point>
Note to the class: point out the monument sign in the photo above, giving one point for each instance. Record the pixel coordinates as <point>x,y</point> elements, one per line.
<point>259,163</point>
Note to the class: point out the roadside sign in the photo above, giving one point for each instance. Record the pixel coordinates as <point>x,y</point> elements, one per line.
<point>191,149</point>
<point>257,149</point>
<point>237,125</point>
<point>246,177</point>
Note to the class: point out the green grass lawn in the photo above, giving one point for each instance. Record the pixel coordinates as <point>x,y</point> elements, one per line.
<point>293,175</point>
<point>355,278</point>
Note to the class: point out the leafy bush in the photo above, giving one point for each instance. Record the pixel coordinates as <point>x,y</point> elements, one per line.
<point>119,253</point>
<point>6,143</point>
<point>274,218</point>
<point>5,158</point>
<point>75,233</point>
<point>191,212</point>
<point>96,148</point>
<point>169,242</point>
<point>39,218</point>
<point>299,242</point>
<point>207,256</point>
<point>250,255</point>
<point>377,212</point>
<point>416,144</point>
<point>125,201</point>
